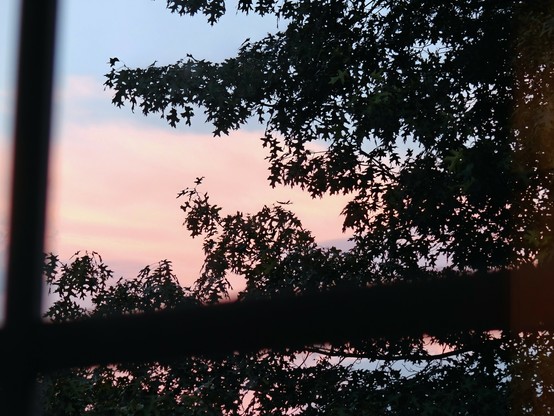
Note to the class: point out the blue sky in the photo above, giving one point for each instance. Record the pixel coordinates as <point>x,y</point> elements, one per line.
<point>140,32</point>
<point>114,174</point>
<point>7,57</point>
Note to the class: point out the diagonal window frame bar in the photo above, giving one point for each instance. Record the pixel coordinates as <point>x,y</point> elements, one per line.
<point>516,301</point>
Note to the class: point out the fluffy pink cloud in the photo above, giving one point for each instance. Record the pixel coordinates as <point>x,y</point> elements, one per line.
<point>113,185</point>
<point>113,190</point>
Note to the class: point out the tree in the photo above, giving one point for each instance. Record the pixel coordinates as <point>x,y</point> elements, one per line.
<point>436,118</point>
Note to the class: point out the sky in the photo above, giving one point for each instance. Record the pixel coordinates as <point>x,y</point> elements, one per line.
<point>115,175</point>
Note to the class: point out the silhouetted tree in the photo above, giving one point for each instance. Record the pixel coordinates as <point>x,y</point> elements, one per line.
<point>436,119</point>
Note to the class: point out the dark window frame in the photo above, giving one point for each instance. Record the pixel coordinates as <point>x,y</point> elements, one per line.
<point>509,300</point>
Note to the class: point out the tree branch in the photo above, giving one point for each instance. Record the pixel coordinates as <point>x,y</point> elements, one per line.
<point>382,357</point>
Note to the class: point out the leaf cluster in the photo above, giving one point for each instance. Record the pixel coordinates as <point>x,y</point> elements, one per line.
<point>489,374</point>
<point>433,116</point>
<point>436,119</point>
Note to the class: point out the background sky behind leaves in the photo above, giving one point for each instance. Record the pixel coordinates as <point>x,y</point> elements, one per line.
<point>115,175</point>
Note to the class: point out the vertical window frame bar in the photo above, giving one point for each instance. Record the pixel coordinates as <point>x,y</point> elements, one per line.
<point>28,201</point>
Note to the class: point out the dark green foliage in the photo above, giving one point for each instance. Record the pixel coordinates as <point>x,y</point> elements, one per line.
<point>435,117</point>
<point>421,111</point>
<point>481,373</point>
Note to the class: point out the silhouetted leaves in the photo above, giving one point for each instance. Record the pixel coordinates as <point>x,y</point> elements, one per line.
<point>436,119</point>
<point>374,99</point>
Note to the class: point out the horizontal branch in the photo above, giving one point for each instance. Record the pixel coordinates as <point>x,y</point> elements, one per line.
<point>390,357</point>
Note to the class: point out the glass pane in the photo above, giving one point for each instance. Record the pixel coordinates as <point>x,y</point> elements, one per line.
<point>435,118</point>
<point>9,13</point>
<point>115,174</point>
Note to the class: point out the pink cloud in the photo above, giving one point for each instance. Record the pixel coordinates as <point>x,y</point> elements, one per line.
<point>113,186</point>
<point>113,190</point>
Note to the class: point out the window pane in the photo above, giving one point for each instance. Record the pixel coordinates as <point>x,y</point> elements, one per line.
<point>115,174</point>
<point>418,104</point>
<point>9,17</point>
